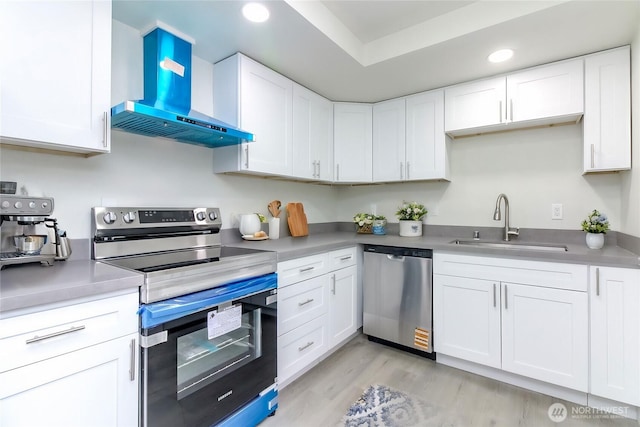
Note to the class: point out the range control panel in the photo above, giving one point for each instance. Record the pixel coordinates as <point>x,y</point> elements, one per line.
<point>25,205</point>
<point>111,218</point>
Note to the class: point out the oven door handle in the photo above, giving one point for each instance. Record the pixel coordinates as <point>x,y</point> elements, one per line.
<point>155,339</point>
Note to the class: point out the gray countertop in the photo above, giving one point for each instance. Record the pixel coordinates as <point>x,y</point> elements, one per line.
<point>31,286</point>
<point>295,247</point>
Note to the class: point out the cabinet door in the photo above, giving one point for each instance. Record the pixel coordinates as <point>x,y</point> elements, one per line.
<point>265,110</point>
<point>475,104</point>
<point>352,142</point>
<point>95,386</point>
<point>615,334</point>
<point>426,150</point>
<point>343,307</point>
<point>545,334</point>
<point>312,135</point>
<point>607,111</point>
<point>466,319</point>
<point>389,141</point>
<point>55,76</point>
<point>551,91</point>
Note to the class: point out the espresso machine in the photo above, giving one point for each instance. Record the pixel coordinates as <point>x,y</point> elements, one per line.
<point>20,243</point>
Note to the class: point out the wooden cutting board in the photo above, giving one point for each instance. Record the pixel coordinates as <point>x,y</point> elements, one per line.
<point>297,220</point>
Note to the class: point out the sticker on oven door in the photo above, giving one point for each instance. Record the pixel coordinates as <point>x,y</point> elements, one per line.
<point>223,322</point>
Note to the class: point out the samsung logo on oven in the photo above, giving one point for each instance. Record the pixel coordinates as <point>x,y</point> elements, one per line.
<point>227,394</point>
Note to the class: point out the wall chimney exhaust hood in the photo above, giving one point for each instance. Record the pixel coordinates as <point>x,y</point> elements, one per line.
<point>165,110</point>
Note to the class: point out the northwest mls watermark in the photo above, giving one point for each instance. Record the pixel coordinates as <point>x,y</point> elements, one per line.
<point>558,412</point>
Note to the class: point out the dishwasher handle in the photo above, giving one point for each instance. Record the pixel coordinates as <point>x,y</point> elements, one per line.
<point>398,258</point>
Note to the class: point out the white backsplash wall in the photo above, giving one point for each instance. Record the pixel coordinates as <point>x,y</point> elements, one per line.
<point>534,168</point>
<point>143,171</point>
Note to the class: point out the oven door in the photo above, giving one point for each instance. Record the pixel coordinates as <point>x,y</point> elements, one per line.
<point>212,363</point>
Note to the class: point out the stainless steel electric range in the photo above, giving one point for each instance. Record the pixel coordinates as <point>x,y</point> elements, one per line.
<point>207,315</point>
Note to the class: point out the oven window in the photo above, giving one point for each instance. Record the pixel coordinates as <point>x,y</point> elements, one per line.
<point>202,361</point>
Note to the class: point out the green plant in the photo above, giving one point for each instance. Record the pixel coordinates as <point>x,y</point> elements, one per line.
<point>366,218</point>
<point>411,211</point>
<point>596,223</point>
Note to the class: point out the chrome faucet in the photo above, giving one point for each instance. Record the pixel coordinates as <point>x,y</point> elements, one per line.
<point>508,231</point>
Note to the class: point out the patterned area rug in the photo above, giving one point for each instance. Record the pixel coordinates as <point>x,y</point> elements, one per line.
<point>382,406</point>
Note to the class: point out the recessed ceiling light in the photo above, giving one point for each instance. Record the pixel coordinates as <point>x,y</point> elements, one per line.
<point>500,55</point>
<point>255,12</point>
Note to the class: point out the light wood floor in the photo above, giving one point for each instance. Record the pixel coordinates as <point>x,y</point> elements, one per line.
<point>322,396</point>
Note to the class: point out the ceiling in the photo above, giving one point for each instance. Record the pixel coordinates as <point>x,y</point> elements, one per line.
<point>372,50</point>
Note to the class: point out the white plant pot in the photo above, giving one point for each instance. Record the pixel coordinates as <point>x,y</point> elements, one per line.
<point>595,240</point>
<point>410,228</point>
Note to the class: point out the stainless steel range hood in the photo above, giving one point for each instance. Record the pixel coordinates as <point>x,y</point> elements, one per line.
<point>165,110</point>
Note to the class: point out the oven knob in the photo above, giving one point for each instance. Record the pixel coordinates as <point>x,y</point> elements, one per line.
<point>200,216</point>
<point>5,204</point>
<point>32,205</point>
<point>109,217</point>
<point>129,217</point>
<point>18,205</point>
<point>213,216</point>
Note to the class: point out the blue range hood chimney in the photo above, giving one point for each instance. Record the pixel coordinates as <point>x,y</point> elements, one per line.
<point>165,110</point>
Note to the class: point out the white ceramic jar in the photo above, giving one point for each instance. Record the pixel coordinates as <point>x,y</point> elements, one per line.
<point>249,224</point>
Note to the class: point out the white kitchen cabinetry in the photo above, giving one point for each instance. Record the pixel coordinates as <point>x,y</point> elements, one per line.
<point>538,96</point>
<point>312,135</point>
<point>317,309</point>
<point>389,135</point>
<point>607,111</point>
<point>72,366</point>
<point>55,76</point>
<point>259,100</point>
<point>541,309</point>
<point>352,142</point>
<point>615,333</point>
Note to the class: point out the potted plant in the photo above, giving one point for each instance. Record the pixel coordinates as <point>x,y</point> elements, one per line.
<point>410,216</point>
<point>596,225</point>
<point>364,223</point>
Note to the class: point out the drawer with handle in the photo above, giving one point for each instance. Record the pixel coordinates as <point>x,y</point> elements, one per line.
<point>300,347</point>
<point>304,268</point>
<point>341,258</point>
<point>34,337</point>
<point>300,303</point>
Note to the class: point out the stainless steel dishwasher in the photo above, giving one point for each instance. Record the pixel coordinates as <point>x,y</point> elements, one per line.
<point>398,297</point>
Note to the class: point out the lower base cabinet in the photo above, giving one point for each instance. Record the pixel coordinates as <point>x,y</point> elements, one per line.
<point>317,309</point>
<point>615,333</point>
<point>71,366</point>
<point>525,317</point>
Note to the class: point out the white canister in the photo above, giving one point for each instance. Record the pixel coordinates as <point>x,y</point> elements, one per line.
<point>274,228</point>
<point>410,228</point>
<point>249,224</point>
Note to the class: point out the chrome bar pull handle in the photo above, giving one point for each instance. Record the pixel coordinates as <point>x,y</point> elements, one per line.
<point>300,304</point>
<point>345,258</point>
<point>494,294</point>
<point>306,346</point>
<point>333,284</point>
<point>506,300</point>
<point>401,170</point>
<point>511,109</point>
<point>408,170</point>
<point>246,158</point>
<point>500,110</point>
<point>105,129</point>
<point>54,334</point>
<point>303,270</point>
<point>132,366</point>
<point>338,172</point>
<point>319,170</point>
<point>593,161</point>
<point>597,282</point>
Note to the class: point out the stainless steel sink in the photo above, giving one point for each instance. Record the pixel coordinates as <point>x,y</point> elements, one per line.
<point>511,245</point>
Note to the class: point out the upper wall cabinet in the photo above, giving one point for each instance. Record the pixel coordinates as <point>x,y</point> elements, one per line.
<point>352,127</point>
<point>409,142</point>
<point>251,96</point>
<point>538,96</point>
<point>312,135</point>
<point>607,111</point>
<point>55,75</point>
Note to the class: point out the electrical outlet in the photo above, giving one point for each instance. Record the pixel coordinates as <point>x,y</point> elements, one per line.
<point>556,211</point>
